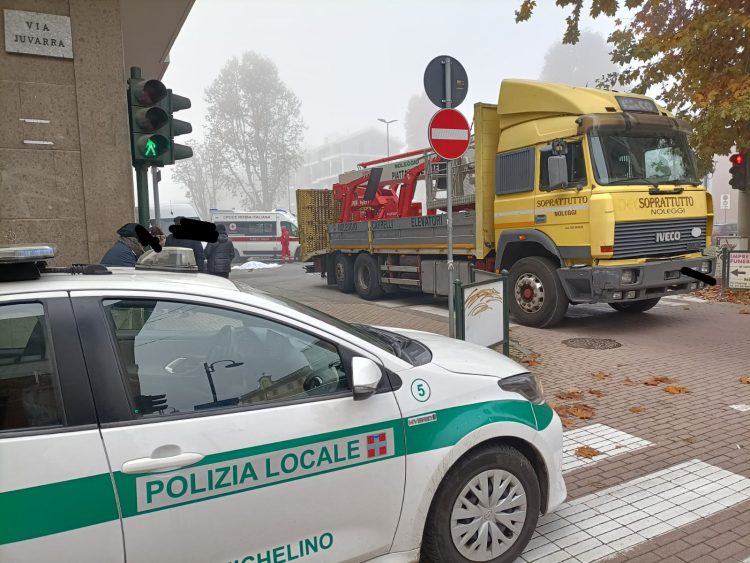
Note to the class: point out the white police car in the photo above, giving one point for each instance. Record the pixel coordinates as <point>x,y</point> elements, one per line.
<point>152,417</point>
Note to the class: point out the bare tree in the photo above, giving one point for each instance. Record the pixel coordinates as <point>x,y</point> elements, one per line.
<point>418,114</point>
<point>255,123</point>
<point>202,176</point>
<point>584,64</point>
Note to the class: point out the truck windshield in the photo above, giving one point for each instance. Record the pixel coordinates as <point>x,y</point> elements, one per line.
<point>642,157</point>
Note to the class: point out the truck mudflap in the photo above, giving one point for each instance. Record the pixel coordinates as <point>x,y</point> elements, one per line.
<point>611,284</point>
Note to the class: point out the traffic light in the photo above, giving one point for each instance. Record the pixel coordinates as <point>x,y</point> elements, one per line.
<point>739,171</point>
<point>148,109</point>
<point>152,125</point>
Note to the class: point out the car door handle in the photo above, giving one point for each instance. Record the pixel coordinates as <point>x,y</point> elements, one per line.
<point>156,464</point>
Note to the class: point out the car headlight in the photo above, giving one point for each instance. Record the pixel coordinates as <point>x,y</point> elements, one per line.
<point>526,384</point>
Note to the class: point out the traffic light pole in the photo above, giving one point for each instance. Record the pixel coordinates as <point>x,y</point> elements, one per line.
<point>141,181</point>
<point>155,177</point>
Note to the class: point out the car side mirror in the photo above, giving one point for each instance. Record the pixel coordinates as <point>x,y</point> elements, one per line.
<point>366,376</point>
<point>557,171</point>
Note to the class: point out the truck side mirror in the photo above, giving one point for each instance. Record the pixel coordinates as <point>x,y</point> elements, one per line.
<point>557,172</point>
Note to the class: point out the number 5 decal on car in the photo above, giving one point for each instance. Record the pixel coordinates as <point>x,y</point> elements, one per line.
<point>420,390</point>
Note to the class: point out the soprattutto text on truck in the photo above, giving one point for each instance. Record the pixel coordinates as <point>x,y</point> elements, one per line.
<point>582,195</point>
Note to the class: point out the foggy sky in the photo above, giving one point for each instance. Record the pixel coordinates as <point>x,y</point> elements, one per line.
<point>352,61</point>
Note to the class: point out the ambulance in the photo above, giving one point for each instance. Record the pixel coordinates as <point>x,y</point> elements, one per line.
<point>257,235</point>
<point>155,414</point>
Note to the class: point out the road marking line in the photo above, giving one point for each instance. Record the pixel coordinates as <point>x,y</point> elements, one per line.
<point>588,529</point>
<point>684,298</point>
<point>670,304</point>
<point>741,408</point>
<point>609,441</point>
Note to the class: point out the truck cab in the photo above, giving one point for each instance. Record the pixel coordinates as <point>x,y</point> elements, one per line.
<point>596,199</point>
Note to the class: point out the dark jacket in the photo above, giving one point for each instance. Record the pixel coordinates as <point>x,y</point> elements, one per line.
<point>126,251</point>
<point>194,245</point>
<point>219,254</point>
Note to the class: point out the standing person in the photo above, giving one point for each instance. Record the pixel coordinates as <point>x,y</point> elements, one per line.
<point>127,249</point>
<point>219,254</point>
<point>285,245</point>
<point>194,245</point>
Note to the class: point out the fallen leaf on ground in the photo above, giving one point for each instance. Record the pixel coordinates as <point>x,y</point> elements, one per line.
<point>628,381</point>
<point>636,409</point>
<point>531,360</point>
<point>600,375</point>
<point>570,395</point>
<point>582,411</point>
<point>657,380</point>
<point>676,390</point>
<point>587,452</point>
<point>597,393</point>
<point>714,293</point>
<point>568,422</point>
<point>562,411</point>
<point>745,379</point>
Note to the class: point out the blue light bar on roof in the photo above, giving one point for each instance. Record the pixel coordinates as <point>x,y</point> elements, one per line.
<point>26,253</point>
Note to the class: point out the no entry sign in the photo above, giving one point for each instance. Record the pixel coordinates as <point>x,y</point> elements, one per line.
<point>449,133</point>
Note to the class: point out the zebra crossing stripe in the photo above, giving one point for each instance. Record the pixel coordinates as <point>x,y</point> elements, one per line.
<point>616,519</point>
<point>609,441</point>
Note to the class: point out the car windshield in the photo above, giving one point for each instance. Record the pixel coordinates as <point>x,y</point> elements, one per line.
<point>642,157</point>
<point>407,349</point>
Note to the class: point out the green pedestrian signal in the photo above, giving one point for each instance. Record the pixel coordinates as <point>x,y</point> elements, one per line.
<point>150,148</point>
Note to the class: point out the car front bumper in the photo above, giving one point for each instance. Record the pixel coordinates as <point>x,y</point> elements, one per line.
<point>549,443</point>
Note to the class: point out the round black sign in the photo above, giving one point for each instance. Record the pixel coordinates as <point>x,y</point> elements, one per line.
<point>434,82</point>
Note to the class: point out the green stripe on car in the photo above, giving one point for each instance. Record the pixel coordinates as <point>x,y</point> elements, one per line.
<point>67,505</point>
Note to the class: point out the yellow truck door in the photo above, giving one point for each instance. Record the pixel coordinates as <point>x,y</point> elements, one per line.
<point>562,211</point>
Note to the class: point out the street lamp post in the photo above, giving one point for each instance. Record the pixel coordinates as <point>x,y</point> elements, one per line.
<point>387,134</point>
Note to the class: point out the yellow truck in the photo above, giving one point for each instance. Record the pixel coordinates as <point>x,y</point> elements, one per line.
<point>582,195</point>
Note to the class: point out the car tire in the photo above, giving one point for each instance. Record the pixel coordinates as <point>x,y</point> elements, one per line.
<point>501,466</point>
<point>635,306</point>
<point>537,297</point>
<point>367,277</point>
<point>344,269</point>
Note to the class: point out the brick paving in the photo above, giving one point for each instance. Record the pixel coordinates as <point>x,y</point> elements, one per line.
<point>704,347</point>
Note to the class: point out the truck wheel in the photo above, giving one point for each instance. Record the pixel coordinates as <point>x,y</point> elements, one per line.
<point>537,297</point>
<point>367,277</point>
<point>485,509</point>
<point>635,306</point>
<point>344,273</point>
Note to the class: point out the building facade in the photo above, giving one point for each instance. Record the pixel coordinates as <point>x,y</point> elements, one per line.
<point>65,171</point>
<point>323,164</point>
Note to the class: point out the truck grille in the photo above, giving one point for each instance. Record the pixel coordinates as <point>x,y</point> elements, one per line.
<point>635,239</point>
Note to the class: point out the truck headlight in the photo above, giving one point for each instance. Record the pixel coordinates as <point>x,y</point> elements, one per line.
<point>526,384</point>
<point>628,276</point>
<point>705,267</point>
